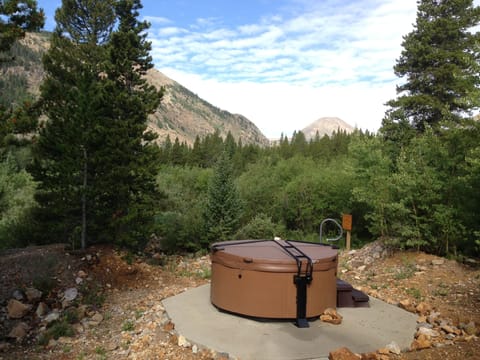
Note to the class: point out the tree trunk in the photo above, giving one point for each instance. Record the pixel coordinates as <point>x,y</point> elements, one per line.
<point>83,239</point>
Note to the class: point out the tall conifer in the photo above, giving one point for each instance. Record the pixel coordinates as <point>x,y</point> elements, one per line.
<point>94,160</point>
<point>440,64</point>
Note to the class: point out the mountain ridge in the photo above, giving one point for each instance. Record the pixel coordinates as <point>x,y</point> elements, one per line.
<point>181,114</point>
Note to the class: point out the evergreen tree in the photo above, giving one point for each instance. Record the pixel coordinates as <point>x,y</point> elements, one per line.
<point>71,98</point>
<point>94,159</point>
<point>126,165</point>
<point>223,207</point>
<point>440,63</point>
<point>16,17</point>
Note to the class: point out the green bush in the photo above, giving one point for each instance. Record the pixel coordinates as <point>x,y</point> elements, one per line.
<point>260,227</point>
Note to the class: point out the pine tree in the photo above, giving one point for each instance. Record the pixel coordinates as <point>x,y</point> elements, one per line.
<point>223,207</point>
<point>440,63</point>
<point>16,17</point>
<point>71,98</point>
<point>128,191</point>
<point>94,158</point>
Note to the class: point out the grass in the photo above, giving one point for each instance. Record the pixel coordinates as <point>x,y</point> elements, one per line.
<point>441,290</point>
<point>71,315</point>
<point>128,257</point>
<point>128,325</point>
<point>416,293</point>
<point>92,294</point>
<point>101,352</point>
<point>58,329</point>
<point>138,314</point>
<point>406,270</point>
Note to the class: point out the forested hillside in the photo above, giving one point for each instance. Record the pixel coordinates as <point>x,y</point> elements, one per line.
<point>92,174</point>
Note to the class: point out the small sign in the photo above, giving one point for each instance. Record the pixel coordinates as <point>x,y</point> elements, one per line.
<point>347,222</point>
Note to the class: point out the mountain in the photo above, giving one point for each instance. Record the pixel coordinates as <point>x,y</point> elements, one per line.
<point>184,115</point>
<point>326,126</point>
<point>181,113</point>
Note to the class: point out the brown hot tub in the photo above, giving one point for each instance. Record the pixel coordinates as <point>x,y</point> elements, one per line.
<point>274,279</point>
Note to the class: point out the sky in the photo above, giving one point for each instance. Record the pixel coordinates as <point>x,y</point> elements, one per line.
<point>281,63</point>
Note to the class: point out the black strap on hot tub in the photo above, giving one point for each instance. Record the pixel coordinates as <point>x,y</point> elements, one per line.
<point>301,280</point>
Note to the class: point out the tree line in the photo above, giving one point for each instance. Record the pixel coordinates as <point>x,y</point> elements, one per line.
<point>92,173</point>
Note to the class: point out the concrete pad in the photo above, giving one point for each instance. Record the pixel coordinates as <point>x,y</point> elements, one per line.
<point>362,330</point>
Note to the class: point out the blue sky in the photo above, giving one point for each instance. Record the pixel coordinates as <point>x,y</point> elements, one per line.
<point>281,63</point>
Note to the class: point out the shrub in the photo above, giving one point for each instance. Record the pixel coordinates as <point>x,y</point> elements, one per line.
<point>260,227</point>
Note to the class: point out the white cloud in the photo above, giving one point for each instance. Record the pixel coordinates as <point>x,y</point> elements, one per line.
<point>285,71</point>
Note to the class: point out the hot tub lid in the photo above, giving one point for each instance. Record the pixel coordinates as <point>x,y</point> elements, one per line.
<point>271,255</point>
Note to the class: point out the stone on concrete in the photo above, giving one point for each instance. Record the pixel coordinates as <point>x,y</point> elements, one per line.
<point>342,354</point>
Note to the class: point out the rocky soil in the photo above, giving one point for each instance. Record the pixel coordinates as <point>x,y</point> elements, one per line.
<point>106,304</point>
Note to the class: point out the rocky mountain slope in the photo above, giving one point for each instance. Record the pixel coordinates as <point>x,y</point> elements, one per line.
<point>181,114</point>
<point>184,115</point>
<point>326,126</point>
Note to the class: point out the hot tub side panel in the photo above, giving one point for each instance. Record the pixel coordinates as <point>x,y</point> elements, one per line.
<point>270,294</point>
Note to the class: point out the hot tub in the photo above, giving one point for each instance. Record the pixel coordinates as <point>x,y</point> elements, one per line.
<point>273,279</point>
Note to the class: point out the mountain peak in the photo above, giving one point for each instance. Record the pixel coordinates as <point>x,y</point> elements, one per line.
<point>326,126</point>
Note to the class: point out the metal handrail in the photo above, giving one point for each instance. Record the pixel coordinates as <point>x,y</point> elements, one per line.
<point>340,234</point>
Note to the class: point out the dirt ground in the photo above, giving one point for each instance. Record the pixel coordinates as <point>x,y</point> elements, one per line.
<point>133,324</point>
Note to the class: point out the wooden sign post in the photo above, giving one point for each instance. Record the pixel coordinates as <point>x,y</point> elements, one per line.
<point>347,225</point>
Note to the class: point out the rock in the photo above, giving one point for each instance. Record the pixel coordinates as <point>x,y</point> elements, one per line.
<point>65,340</point>
<point>82,274</point>
<point>421,342</point>
<point>427,332</point>
<point>470,328</point>
<point>52,343</point>
<point>422,319</point>
<point>18,295</point>
<point>423,308</point>
<point>42,309</point>
<point>331,316</point>
<point>183,342</point>
<point>96,319</point>
<point>394,348</point>
<point>70,294</point>
<point>450,336</point>
<point>361,268</point>
<point>368,260</point>
<point>342,354</point>
<point>81,311</point>
<point>158,256</point>
<point>383,351</point>
<point>19,331</point>
<point>407,304</point>
<point>425,325</point>
<point>78,280</point>
<point>169,326</point>
<point>53,316</point>
<point>451,329</point>
<point>16,309</point>
<point>33,294</point>
<point>438,261</point>
<point>78,328</point>
<point>194,349</point>
<point>433,317</point>
<point>111,346</point>
<point>4,346</point>
<point>371,356</point>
